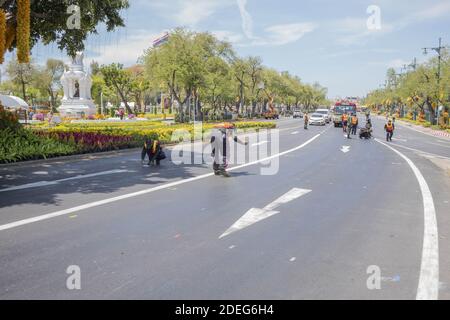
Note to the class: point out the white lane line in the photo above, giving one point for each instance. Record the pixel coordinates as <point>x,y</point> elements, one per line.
<point>397,139</point>
<point>259,143</point>
<point>255,215</point>
<point>439,144</point>
<point>142,192</point>
<point>295,132</point>
<point>428,288</point>
<point>49,183</point>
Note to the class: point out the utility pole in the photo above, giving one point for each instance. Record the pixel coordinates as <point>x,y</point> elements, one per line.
<point>413,64</point>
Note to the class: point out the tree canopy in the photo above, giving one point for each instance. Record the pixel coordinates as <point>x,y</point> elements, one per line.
<point>198,66</point>
<point>419,90</point>
<point>48,21</point>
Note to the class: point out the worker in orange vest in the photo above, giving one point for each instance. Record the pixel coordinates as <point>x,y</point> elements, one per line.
<point>389,128</point>
<point>354,123</point>
<point>344,122</point>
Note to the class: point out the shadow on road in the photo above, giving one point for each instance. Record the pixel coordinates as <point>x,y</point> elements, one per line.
<point>134,178</point>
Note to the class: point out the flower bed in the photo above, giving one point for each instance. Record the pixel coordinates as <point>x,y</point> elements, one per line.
<point>87,138</point>
<point>20,145</point>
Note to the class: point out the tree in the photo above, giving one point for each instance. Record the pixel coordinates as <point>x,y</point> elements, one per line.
<point>417,90</point>
<point>180,65</point>
<point>21,74</point>
<point>49,21</point>
<point>119,80</point>
<point>218,89</point>
<point>140,85</point>
<point>47,80</point>
<point>95,68</point>
<point>198,65</point>
<point>255,69</point>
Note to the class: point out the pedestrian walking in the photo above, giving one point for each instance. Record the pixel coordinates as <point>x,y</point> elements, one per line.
<point>306,119</point>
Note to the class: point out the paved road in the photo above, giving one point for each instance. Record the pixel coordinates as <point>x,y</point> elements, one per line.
<point>334,208</point>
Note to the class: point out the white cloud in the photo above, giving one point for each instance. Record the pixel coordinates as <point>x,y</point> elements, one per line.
<point>395,63</point>
<point>435,11</point>
<point>354,30</point>
<point>285,33</point>
<point>127,50</point>
<point>247,20</point>
<point>187,13</point>
<point>336,54</point>
<point>229,36</point>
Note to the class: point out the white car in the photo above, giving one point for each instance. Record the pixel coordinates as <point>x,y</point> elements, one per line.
<point>297,114</point>
<point>326,113</point>
<point>317,119</point>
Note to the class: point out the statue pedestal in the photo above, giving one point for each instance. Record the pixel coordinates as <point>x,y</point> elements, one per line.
<point>77,108</point>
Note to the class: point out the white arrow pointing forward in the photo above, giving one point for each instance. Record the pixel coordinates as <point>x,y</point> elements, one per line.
<point>345,149</point>
<point>255,215</point>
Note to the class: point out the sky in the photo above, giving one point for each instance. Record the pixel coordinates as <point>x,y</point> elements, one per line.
<point>344,45</point>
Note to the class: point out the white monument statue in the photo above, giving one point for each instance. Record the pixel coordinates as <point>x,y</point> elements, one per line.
<point>77,100</point>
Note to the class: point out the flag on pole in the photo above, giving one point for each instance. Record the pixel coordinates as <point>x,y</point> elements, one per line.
<point>161,40</point>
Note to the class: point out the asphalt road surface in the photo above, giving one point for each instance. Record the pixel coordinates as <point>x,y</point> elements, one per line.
<point>339,219</point>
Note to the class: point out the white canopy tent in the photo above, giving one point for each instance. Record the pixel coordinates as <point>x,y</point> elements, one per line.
<point>12,102</point>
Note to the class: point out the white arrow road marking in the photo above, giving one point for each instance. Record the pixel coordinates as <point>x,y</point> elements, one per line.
<point>428,288</point>
<point>49,183</point>
<point>345,149</point>
<point>259,143</point>
<point>255,215</point>
<point>295,132</point>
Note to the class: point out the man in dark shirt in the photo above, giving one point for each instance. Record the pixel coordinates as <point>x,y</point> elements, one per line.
<point>220,147</point>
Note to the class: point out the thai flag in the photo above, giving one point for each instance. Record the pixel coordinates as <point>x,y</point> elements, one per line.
<point>161,40</point>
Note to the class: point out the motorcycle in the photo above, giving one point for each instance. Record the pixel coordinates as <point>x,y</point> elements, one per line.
<point>365,133</point>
